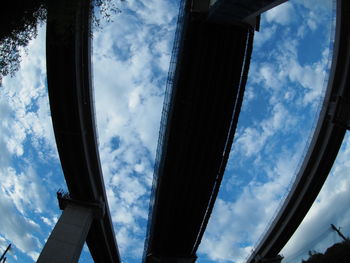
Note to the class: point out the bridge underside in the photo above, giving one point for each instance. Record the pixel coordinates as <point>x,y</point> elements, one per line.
<point>70,94</point>
<point>226,11</point>
<point>207,93</point>
<point>203,112</point>
<point>211,71</point>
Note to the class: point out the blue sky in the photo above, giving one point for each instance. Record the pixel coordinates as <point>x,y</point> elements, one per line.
<point>131,55</point>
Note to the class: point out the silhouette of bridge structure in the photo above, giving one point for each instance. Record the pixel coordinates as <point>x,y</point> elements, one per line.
<point>211,58</point>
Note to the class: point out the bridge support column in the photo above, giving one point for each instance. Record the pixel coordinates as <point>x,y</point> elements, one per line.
<point>68,237</point>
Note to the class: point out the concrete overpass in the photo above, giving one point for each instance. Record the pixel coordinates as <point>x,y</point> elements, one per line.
<point>86,213</point>
<point>211,58</point>
<point>333,122</point>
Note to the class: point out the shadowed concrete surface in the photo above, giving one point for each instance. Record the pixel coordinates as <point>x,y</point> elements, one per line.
<point>68,51</point>
<point>206,95</point>
<point>68,237</point>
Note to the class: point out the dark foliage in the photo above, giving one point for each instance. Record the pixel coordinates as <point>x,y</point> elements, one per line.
<point>18,26</point>
<point>105,10</point>
<point>338,253</point>
<point>19,23</point>
<point>314,257</point>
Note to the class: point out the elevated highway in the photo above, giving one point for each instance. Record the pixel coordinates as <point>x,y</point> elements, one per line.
<point>68,51</point>
<point>211,61</point>
<point>333,122</point>
<point>200,115</point>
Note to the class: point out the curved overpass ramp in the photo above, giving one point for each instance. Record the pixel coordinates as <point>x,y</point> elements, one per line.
<point>333,122</point>
<point>68,51</point>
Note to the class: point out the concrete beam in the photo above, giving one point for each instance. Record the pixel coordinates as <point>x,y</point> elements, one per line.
<point>201,6</point>
<point>68,237</point>
<point>69,81</point>
<point>161,259</point>
<point>241,11</point>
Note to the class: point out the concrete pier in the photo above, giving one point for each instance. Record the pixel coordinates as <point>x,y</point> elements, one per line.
<point>67,239</point>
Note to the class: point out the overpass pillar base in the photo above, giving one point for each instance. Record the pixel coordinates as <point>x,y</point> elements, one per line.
<point>66,241</point>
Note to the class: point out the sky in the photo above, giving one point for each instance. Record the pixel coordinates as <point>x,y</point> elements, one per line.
<point>287,79</point>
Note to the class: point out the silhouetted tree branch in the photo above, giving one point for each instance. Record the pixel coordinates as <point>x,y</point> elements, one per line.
<point>106,9</point>
<point>19,26</point>
<point>338,253</point>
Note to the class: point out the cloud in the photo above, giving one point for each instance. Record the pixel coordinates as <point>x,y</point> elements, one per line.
<point>130,70</point>
<point>309,76</point>
<point>27,150</point>
<point>270,140</point>
<point>330,207</point>
<point>252,140</point>
<point>131,58</point>
<point>16,228</point>
<point>316,13</point>
<point>266,33</point>
<point>50,221</point>
<point>24,196</point>
<point>162,11</point>
<point>3,243</point>
<point>26,101</point>
<point>283,73</point>
<point>236,224</point>
<point>25,189</point>
<point>281,14</point>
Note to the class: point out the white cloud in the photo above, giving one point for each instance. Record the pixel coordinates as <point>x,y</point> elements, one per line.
<point>131,58</point>
<point>158,9</point>
<point>25,97</point>
<point>50,221</point>
<point>310,76</point>
<point>16,228</point>
<point>253,139</point>
<point>27,147</point>
<point>330,207</point>
<point>236,224</point>
<point>283,74</point>
<point>128,107</point>
<point>316,13</point>
<point>282,14</point>
<point>266,33</point>
<point>34,255</point>
<point>3,243</point>
<point>130,70</point>
<point>25,189</point>
<point>269,143</point>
